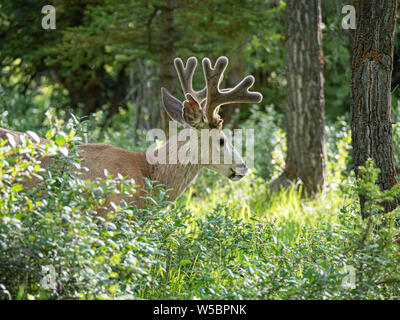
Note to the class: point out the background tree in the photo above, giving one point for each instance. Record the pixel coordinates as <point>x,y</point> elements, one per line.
<point>167,54</point>
<point>372,65</point>
<point>104,60</point>
<point>305,114</point>
<point>105,53</point>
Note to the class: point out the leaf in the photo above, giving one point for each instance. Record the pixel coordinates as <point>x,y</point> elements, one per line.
<point>185,262</point>
<point>64,151</point>
<point>116,259</point>
<point>34,136</point>
<point>60,140</point>
<point>148,183</point>
<point>17,188</point>
<point>50,134</point>
<point>11,140</point>
<point>75,118</point>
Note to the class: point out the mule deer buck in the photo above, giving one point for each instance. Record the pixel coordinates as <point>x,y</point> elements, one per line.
<point>198,111</point>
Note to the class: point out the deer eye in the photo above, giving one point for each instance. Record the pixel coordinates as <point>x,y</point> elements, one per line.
<point>221,142</point>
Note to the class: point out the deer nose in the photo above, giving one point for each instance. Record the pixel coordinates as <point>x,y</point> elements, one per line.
<point>238,172</point>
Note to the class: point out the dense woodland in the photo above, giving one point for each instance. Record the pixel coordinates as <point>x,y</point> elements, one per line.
<point>317,216</point>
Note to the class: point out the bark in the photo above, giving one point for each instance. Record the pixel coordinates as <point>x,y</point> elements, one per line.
<point>305,108</point>
<point>87,97</point>
<point>372,64</point>
<point>90,96</point>
<point>120,90</point>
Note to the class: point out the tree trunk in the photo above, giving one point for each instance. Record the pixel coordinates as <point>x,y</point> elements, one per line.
<point>305,109</point>
<point>372,65</point>
<point>120,91</point>
<point>167,55</point>
<point>87,97</point>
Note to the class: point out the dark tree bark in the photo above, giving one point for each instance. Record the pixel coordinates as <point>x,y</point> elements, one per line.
<point>120,91</point>
<point>87,97</point>
<point>305,108</point>
<point>167,55</point>
<point>372,65</point>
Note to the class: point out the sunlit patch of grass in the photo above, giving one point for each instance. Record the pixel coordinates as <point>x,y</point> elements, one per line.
<point>251,197</point>
<point>221,240</point>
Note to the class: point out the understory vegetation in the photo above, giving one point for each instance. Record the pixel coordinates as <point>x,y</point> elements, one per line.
<point>220,240</point>
<point>96,77</point>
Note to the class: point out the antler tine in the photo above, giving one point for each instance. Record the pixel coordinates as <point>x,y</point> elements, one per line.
<point>217,97</point>
<point>213,77</point>
<point>185,75</point>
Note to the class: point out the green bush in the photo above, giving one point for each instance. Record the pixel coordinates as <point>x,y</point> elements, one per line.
<point>396,133</point>
<point>256,245</point>
<point>269,141</point>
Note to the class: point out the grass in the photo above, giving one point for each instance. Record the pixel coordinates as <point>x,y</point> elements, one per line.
<point>251,198</point>
<point>220,240</point>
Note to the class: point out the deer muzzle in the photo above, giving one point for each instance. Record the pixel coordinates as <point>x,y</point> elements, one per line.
<point>238,172</point>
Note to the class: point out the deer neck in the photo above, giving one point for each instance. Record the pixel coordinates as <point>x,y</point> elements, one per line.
<point>174,175</point>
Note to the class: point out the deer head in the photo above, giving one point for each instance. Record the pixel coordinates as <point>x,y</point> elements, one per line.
<point>200,109</point>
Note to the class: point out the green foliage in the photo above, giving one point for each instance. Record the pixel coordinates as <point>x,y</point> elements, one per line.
<point>336,50</point>
<point>254,245</point>
<point>104,50</point>
<point>221,240</point>
<point>373,243</point>
<point>396,132</point>
<point>368,188</point>
<point>269,142</point>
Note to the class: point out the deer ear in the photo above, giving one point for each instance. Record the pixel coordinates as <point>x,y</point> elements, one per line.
<point>192,112</point>
<point>172,105</point>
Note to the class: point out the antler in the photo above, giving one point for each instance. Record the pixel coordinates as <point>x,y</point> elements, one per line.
<point>185,75</point>
<point>213,95</point>
<point>217,97</point>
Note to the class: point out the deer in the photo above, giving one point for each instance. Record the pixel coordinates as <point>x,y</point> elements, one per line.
<point>199,110</point>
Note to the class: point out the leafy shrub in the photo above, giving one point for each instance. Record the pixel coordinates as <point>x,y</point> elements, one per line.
<point>269,141</point>
<point>396,132</point>
<point>373,242</point>
<point>254,246</point>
